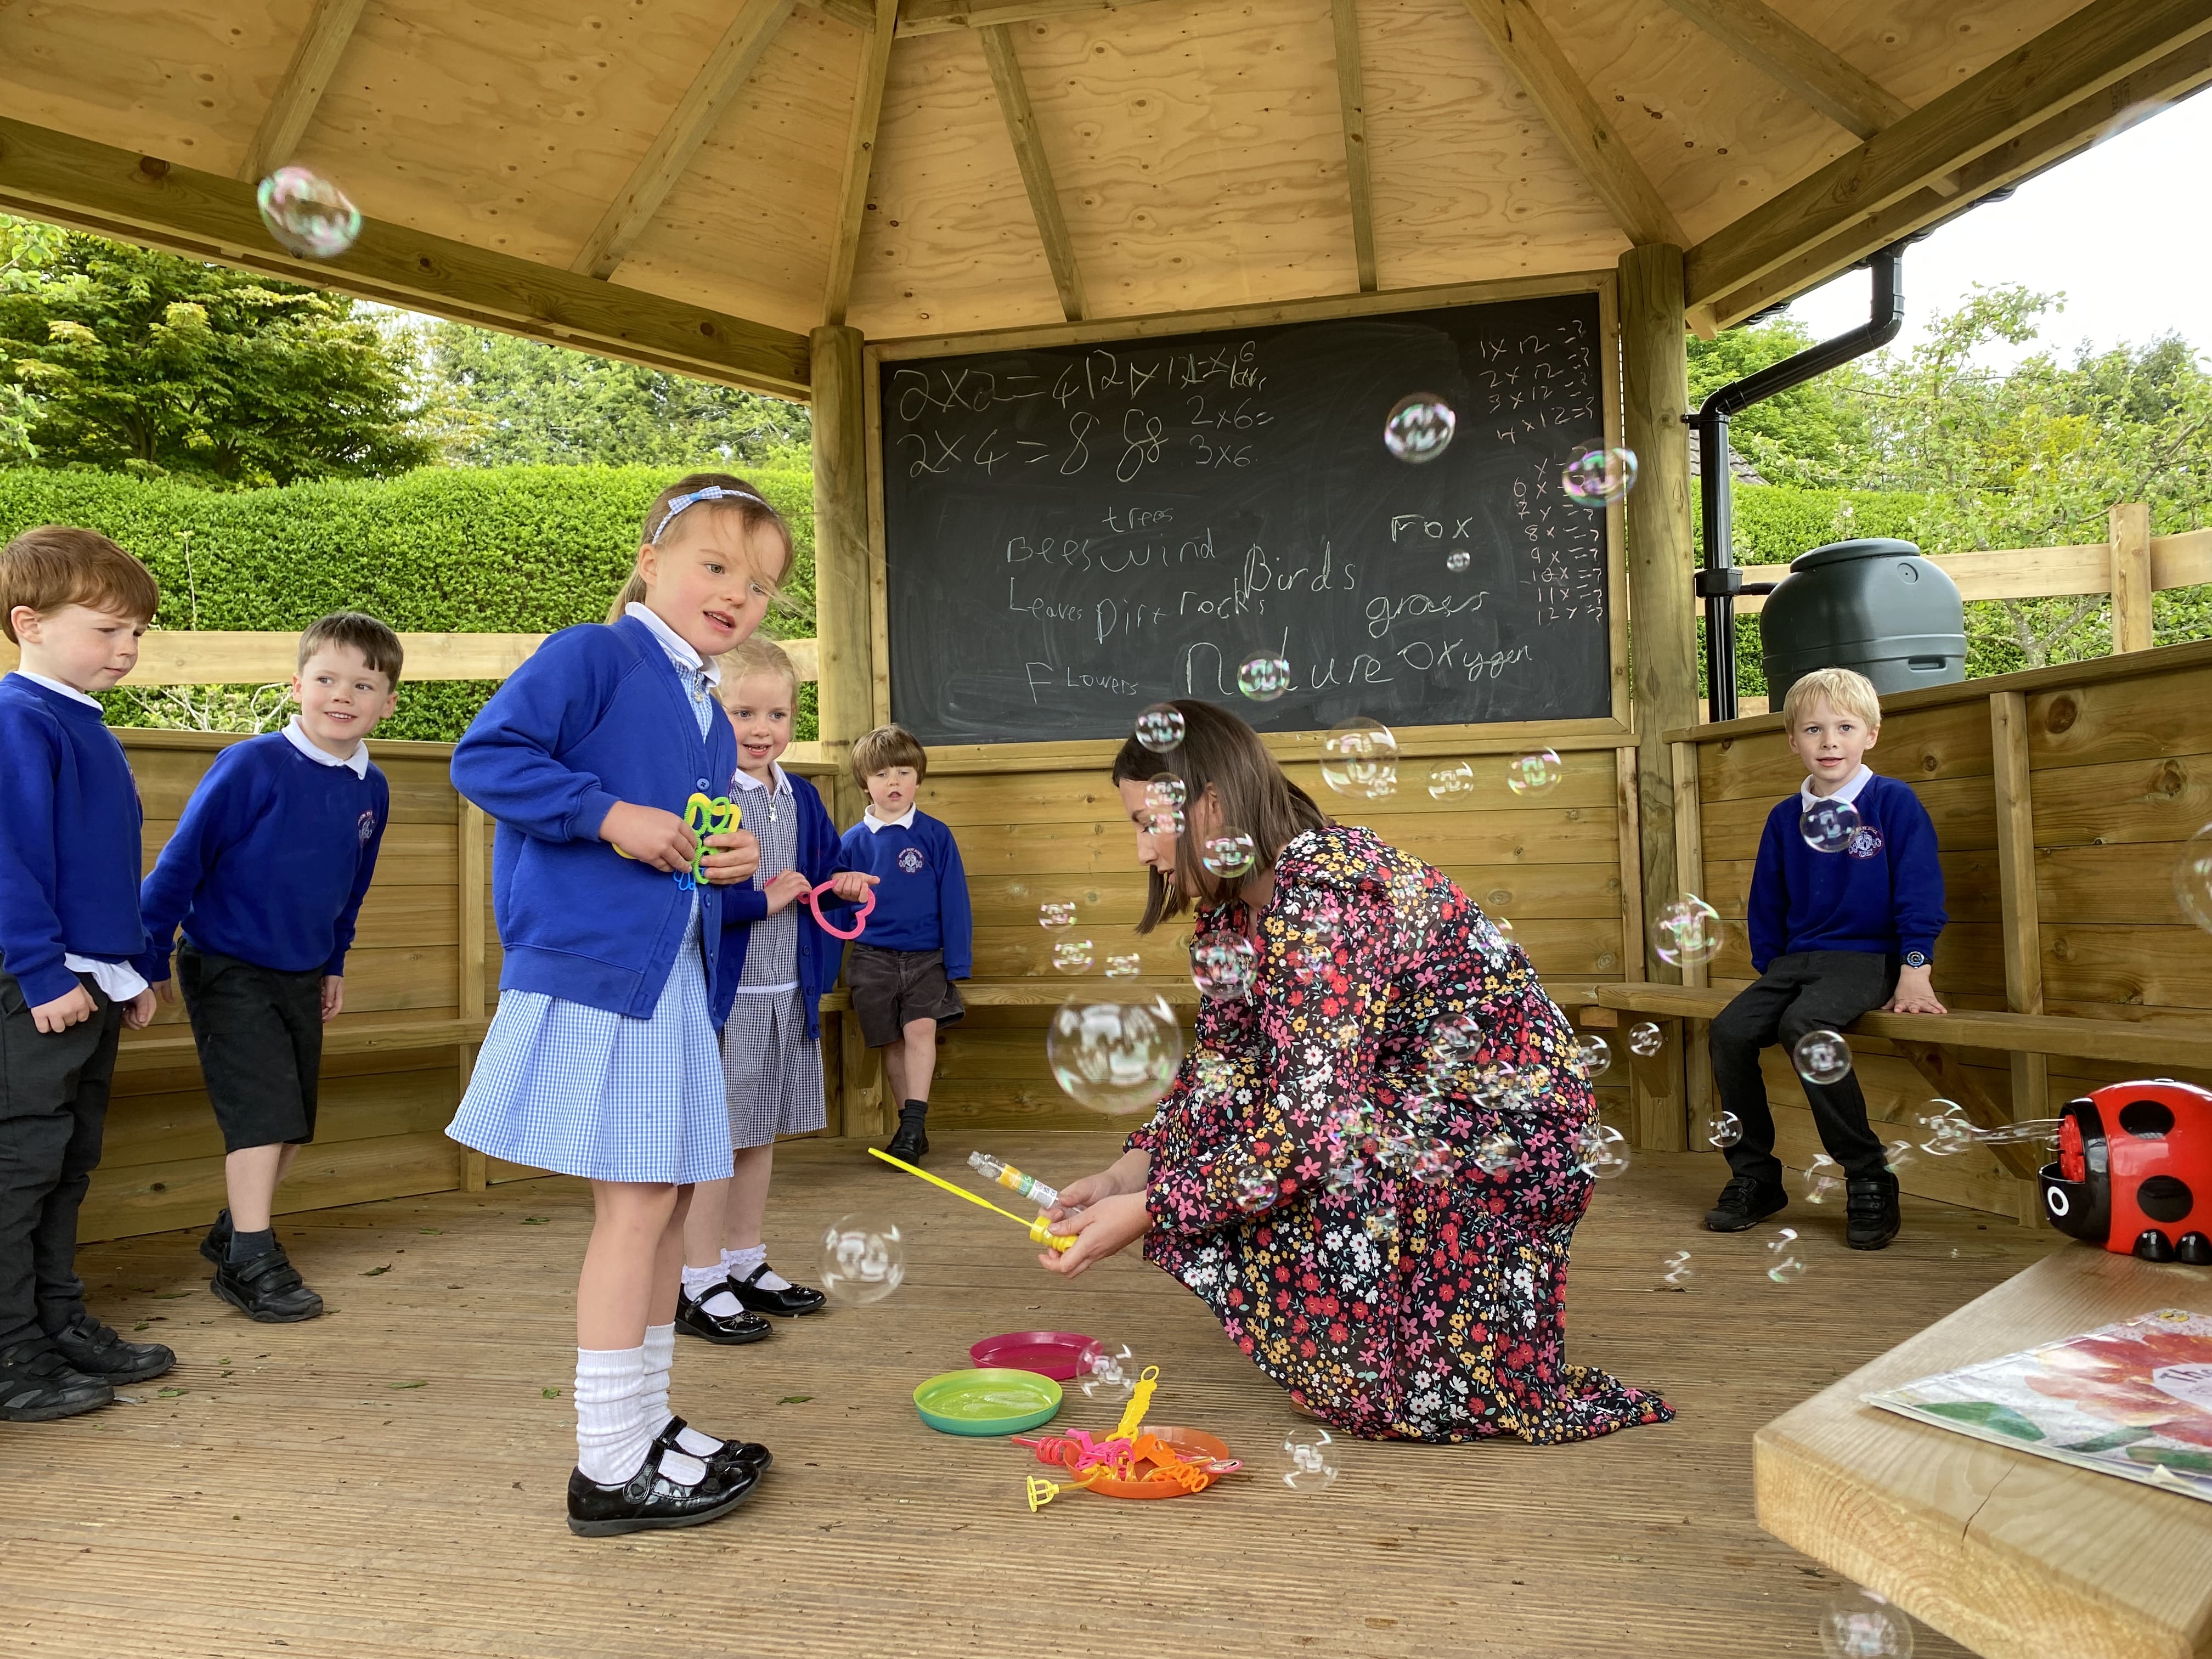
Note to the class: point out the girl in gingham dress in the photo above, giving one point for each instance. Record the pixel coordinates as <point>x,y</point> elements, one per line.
<point>779,961</point>
<point>601,1060</point>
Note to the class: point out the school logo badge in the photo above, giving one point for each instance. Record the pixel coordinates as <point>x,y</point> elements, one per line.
<point>365,827</point>
<point>1867,843</point>
<point>911,860</point>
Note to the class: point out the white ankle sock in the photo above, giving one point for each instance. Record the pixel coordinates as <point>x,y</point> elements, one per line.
<point>739,1263</point>
<point>697,1282</point>
<point>612,1436</point>
<point>659,1357</point>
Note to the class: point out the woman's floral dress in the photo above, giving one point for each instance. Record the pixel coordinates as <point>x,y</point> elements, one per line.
<point>1284,1189</point>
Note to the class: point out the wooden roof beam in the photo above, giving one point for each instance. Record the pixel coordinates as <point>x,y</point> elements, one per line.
<point>1573,116</point>
<point>944,16</point>
<point>998,43</point>
<point>1351,99</point>
<point>314,61</point>
<point>2105,42</point>
<point>72,182</point>
<point>859,157</point>
<point>727,67</point>
<point>860,14</point>
<point>1798,64</point>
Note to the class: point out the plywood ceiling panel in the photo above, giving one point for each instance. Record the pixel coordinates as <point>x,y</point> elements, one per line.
<point>1921,51</point>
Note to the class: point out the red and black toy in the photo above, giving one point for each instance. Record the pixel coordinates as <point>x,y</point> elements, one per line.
<point>2135,1171</point>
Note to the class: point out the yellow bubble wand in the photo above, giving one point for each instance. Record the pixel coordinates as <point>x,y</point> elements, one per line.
<point>1037,1229</point>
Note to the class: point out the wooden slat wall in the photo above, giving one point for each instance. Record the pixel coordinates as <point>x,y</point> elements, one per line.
<point>2118,761</point>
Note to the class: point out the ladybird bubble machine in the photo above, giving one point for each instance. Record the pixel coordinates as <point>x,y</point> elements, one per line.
<point>2135,1171</point>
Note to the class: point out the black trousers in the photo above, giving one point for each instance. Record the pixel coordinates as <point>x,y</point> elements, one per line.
<point>1797,994</point>
<point>53,1109</point>
<point>259,1033</point>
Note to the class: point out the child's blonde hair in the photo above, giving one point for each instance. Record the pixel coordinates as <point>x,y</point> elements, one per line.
<point>757,655</point>
<point>1846,692</point>
<point>706,492</point>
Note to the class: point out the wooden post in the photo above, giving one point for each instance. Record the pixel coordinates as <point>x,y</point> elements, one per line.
<point>2131,584</point>
<point>1690,865</point>
<point>2023,932</point>
<point>470,880</point>
<point>1655,384</point>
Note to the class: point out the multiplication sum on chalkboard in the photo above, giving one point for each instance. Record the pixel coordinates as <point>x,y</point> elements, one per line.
<point>1071,533</point>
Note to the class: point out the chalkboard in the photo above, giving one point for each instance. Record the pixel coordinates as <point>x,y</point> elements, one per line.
<point>1073,532</point>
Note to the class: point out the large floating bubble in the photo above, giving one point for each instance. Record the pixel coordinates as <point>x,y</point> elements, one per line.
<point>1860,1624</point>
<point>1645,1039</point>
<point>2192,879</point>
<point>1829,825</point>
<point>1598,477</point>
<point>1227,854</point>
<point>1107,1369</point>
<point>1310,1460</point>
<point>1113,1056</point>
<point>1451,780</point>
<point>1419,427</point>
<point>1222,965</point>
<point>1360,758</point>
<point>1536,773</point>
<point>1687,931</point>
<point>1822,1056</point>
<point>863,1259</point>
<point>307,214</point>
<point>1160,728</point>
<point>1073,955</point>
<point>1264,677</point>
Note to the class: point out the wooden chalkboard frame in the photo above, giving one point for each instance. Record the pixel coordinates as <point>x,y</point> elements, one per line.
<point>1603,731</point>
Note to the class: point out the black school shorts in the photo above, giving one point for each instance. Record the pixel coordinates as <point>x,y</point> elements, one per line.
<point>893,988</point>
<point>260,1038</point>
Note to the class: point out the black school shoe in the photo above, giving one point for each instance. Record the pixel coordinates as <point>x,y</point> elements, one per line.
<point>39,1384</point>
<point>267,1288</point>
<point>740,1454</point>
<point>1870,1215</point>
<point>96,1351</point>
<point>790,1303</point>
<point>1744,1202</point>
<point>729,1330</point>
<point>216,1247</point>
<point>649,1501</point>
<point>911,1141</point>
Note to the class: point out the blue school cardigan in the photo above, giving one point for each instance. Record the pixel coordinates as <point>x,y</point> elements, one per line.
<point>821,955</point>
<point>596,716</point>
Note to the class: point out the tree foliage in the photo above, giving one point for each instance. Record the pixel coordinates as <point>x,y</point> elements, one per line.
<point>1809,435</point>
<point>123,360</point>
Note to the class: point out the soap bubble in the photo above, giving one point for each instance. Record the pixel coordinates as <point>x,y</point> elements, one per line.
<point>1419,427</point>
<point>1593,1053</point>
<point>1821,1179</point>
<point>1949,1129</point>
<point>1312,947</point>
<point>1106,1370</point>
<point>1601,1150</point>
<point>1676,1271</point>
<point>1822,1056</point>
<point>1645,1039</point>
<point>1784,1266</point>
<point>1160,728</point>
<point>1453,1042</point>
<point>1167,791</point>
<point>1227,855</point>
<point>1254,1189</point>
<point>1724,1129</point>
<point>1457,559</point>
<point>1860,1624</point>
<point>1687,931</point>
<point>1162,821</point>
<point>1222,965</point>
<point>1072,956</point>
<point>1382,1222</point>
<point>1264,677</point>
<point>1433,1163</point>
<point>1503,926</point>
<point>1536,773</point>
<point>1360,758</point>
<point>1828,825</point>
<point>1496,1151</point>
<point>2192,879</point>
<point>1599,477</point>
<point>1211,1071</point>
<point>863,1259</point>
<point>307,214</point>
<point>1897,1154</point>
<point>1113,1056</point>
<point>1309,1461</point>
<point>1451,780</point>
<point>1056,913</point>
<point>1125,967</point>
<point>1498,1085</point>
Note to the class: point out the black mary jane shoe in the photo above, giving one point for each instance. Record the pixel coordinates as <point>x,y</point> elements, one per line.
<point>39,1384</point>
<point>95,1350</point>
<point>789,1302</point>
<point>649,1501</point>
<point>728,1330</point>
<point>911,1141</point>
<point>266,1288</point>
<point>738,1453</point>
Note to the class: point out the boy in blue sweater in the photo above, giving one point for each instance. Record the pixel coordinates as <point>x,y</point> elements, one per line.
<point>265,872</point>
<point>75,603</point>
<point>920,938</point>
<point>1833,933</point>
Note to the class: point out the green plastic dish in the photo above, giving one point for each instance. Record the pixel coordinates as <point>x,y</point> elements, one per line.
<point>990,1400</point>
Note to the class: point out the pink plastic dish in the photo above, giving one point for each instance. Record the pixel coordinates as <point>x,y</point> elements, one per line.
<point>1049,1354</point>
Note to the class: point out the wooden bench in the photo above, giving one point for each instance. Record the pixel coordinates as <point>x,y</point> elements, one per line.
<point>171,1044</point>
<point>2015,1557</point>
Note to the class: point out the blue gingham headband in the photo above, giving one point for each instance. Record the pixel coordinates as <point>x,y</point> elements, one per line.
<point>711,493</point>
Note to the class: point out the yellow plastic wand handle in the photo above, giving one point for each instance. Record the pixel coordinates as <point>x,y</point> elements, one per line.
<point>1036,1229</point>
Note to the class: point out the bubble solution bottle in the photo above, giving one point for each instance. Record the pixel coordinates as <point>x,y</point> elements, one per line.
<point>1007,1176</point>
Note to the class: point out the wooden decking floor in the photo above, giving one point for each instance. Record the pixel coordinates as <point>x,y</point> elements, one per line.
<point>387,1480</point>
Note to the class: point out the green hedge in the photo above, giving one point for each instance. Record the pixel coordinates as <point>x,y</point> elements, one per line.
<point>505,549</point>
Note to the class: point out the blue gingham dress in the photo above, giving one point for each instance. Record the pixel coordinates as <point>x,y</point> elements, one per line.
<point>585,1092</point>
<point>774,1069</point>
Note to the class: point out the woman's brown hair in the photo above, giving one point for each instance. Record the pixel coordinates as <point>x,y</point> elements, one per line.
<point>684,497</point>
<point>1220,752</point>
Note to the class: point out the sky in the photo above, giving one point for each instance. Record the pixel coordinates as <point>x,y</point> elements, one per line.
<point>2116,229</point>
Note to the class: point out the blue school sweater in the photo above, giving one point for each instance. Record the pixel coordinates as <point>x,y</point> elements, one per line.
<point>921,895</point>
<point>270,861</point>
<point>1883,894</point>
<point>820,954</point>
<point>70,820</point>
<point>596,716</point>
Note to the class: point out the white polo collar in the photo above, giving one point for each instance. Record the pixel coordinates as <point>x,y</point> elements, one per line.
<point>747,780</point>
<point>904,821</point>
<point>357,762</point>
<point>680,650</point>
<point>55,685</point>
<point>1848,795</point>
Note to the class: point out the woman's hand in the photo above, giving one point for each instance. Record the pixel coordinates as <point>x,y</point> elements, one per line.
<point>731,856</point>
<point>652,836</point>
<point>1105,1228</point>
<point>784,890</point>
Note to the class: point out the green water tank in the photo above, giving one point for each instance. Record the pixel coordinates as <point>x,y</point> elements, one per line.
<point>1875,605</point>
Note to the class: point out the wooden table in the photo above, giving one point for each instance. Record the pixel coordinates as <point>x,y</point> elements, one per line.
<point>2015,1557</point>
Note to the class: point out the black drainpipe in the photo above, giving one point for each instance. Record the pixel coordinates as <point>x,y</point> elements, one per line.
<point>1720,582</point>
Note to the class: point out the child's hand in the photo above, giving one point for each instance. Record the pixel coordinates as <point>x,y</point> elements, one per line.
<point>164,990</point>
<point>852,885</point>
<point>786,889</point>
<point>651,836</point>
<point>731,856</point>
<point>138,1012</point>
<point>333,996</point>
<point>1106,1229</point>
<point>1082,1194</point>
<point>65,1011</point>
<point>1914,994</point>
